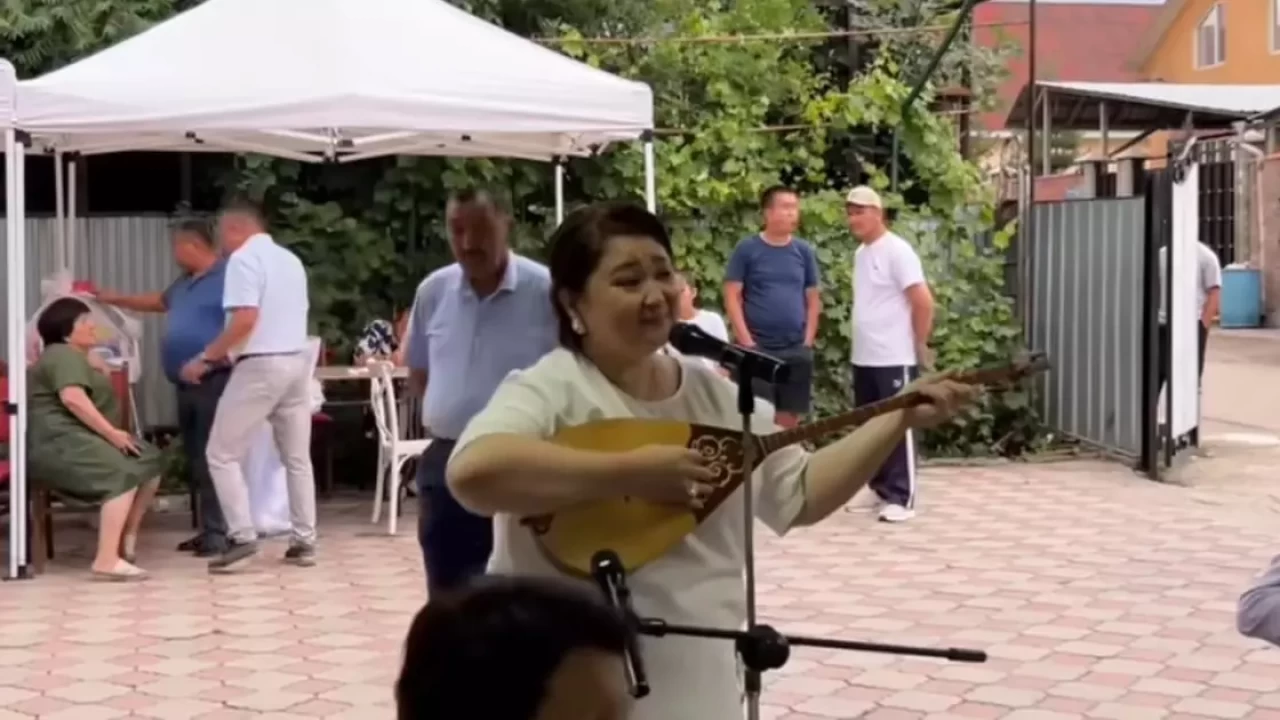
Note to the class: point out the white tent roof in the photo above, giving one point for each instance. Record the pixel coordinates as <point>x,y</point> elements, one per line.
<point>361,77</point>
<point>1146,105</point>
<point>8,90</point>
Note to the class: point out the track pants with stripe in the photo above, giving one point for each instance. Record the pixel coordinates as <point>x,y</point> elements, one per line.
<point>895,482</point>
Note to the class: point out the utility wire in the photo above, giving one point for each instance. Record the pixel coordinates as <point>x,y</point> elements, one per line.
<point>799,127</point>
<point>765,37</point>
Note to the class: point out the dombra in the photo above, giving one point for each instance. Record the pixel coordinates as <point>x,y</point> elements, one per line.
<point>641,532</point>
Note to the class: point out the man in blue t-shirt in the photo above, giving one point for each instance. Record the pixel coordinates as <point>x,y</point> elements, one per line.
<point>771,297</point>
<point>194,317</point>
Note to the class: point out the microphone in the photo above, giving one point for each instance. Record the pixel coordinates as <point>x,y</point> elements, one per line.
<point>747,364</point>
<point>608,572</point>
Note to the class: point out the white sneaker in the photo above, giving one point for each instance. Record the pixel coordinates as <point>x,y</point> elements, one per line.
<point>896,514</point>
<point>865,500</point>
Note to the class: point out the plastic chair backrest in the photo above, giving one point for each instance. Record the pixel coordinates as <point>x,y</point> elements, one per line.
<point>382,396</point>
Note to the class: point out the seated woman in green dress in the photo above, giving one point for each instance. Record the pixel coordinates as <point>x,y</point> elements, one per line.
<point>76,451</point>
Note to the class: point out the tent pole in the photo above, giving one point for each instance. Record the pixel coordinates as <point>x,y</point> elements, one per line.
<point>15,409</point>
<point>650,181</point>
<point>18,478</point>
<point>73,181</point>
<point>17,511</point>
<point>59,211</point>
<point>559,190</point>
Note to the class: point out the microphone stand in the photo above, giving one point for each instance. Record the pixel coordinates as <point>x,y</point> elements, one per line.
<point>760,647</point>
<point>607,570</point>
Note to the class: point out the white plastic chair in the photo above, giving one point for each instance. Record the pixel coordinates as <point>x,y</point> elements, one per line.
<point>394,450</point>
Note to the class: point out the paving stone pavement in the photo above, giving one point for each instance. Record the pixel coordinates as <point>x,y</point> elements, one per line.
<point>1096,593</point>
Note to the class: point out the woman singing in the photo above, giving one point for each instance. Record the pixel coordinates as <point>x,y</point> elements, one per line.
<point>616,294</point>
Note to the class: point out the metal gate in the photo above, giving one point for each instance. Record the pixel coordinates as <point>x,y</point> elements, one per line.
<point>1228,194</point>
<point>1089,311</point>
<point>1217,198</point>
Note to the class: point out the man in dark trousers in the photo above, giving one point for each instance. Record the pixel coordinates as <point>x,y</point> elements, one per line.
<point>472,324</point>
<point>194,317</point>
<point>772,298</point>
<point>892,321</point>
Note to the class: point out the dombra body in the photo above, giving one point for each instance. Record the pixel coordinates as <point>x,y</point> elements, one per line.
<point>641,532</point>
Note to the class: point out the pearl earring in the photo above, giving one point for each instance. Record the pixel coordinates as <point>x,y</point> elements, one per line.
<point>576,324</point>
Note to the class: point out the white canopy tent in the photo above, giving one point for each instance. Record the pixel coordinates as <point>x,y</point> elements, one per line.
<point>16,245</point>
<point>335,79</point>
<point>316,81</point>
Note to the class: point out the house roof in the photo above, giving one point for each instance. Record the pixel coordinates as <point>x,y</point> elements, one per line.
<point>1151,37</point>
<point>1084,41</point>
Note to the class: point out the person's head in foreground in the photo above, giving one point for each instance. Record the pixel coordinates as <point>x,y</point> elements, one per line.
<point>515,648</point>
<point>68,321</point>
<point>865,213</point>
<point>615,289</point>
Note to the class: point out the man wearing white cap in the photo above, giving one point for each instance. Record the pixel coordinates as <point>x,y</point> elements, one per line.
<point>892,320</point>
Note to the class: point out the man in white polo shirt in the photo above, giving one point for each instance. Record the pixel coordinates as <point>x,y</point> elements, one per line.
<point>892,321</point>
<point>266,301</point>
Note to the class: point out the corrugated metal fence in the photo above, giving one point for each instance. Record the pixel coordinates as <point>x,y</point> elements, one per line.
<point>124,254</point>
<point>1087,279</point>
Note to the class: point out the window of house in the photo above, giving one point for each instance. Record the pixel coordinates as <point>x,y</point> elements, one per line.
<point>1275,25</point>
<point>1211,38</point>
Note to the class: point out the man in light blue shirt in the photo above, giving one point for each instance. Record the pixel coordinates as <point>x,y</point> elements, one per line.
<point>265,339</point>
<point>472,323</point>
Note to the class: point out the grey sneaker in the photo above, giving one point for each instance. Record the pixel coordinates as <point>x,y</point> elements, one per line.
<point>300,554</point>
<point>234,559</point>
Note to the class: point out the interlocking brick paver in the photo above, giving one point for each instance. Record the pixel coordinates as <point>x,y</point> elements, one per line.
<point>1097,595</point>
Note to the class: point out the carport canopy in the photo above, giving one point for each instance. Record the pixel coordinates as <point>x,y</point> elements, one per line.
<point>1143,107</point>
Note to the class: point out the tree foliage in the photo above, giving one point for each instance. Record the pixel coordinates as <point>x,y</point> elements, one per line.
<point>38,36</point>
<point>733,118</point>
<point>909,33</point>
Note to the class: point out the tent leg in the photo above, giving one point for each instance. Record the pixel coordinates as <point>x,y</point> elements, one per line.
<point>14,408</point>
<point>559,190</point>
<point>650,181</point>
<point>59,211</point>
<point>73,168</point>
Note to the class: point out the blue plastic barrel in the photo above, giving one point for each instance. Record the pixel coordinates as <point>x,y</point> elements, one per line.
<point>1241,298</point>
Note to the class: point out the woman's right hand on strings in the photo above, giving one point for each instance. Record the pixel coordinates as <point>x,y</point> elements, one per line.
<point>123,441</point>
<point>668,474</point>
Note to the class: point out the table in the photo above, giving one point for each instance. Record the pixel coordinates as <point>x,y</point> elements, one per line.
<point>338,373</point>
<point>410,408</point>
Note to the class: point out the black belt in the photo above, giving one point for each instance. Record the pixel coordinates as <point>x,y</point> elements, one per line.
<point>212,371</point>
<point>250,356</point>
